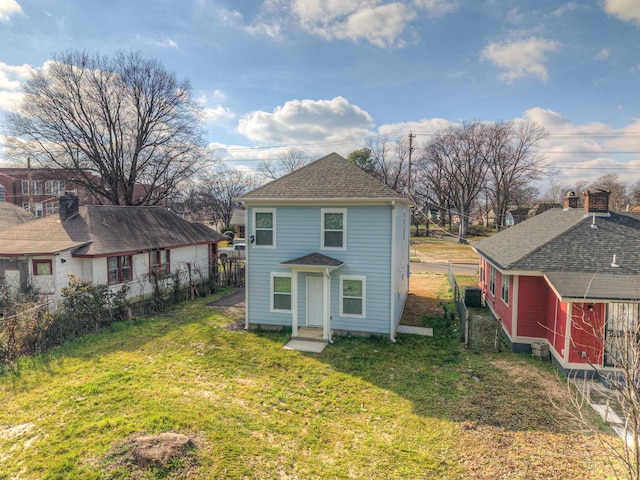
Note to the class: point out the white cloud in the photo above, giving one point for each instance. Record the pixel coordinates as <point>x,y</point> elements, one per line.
<point>422,128</point>
<point>520,59</point>
<point>8,8</point>
<point>272,30</point>
<point>166,43</point>
<point>625,10</point>
<point>11,77</point>
<point>216,113</point>
<point>437,8</point>
<point>307,121</point>
<point>381,25</point>
<point>589,150</point>
<point>566,8</point>
<point>603,54</point>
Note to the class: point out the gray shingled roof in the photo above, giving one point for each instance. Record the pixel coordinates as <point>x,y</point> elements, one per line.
<point>506,248</point>
<point>331,177</point>
<point>597,286</point>
<point>11,215</point>
<point>314,260</point>
<point>575,257</point>
<point>105,229</point>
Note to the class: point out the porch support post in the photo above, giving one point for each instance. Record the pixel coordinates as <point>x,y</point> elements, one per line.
<point>326,326</point>
<point>294,302</point>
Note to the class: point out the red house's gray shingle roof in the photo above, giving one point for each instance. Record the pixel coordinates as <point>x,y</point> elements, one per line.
<point>331,178</point>
<point>575,257</point>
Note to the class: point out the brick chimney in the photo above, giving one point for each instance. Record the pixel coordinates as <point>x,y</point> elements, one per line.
<point>571,200</point>
<point>596,201</point>
<point>68,206</point>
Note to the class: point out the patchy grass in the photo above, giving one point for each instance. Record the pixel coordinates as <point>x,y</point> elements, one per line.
<point>364,408</point>
<point>442,250</point>
<point>466,281</point>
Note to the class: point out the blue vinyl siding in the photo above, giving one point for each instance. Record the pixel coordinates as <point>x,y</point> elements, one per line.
<point>298,233</point>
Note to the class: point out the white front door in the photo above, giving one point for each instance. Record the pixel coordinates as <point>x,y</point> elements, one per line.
<point>315,302</point>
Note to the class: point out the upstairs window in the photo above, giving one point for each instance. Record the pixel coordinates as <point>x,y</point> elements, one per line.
<point>264,226</point>
<point>159,262</point>
<point>119,269</point>
<point>334,222</point>
<point>3,196</point>
<point>54,187</point>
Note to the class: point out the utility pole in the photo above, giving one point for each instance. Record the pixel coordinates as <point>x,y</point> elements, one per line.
<point>411,137</point>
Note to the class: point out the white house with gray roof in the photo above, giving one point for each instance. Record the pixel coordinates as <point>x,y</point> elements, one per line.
<point>327,251</point>
<point>568,278</point>
<point>105,244</point>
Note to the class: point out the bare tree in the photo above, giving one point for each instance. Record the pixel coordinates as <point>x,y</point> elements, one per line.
<point>287,162</point>
<point>616,334</point>
<point>115,123</point>
<point>634,193</point>
<point>219,191</point>
<point>556,191</point>
<point>455,162</point>
<point>389,158</point>
<point>512,161</point>
<point>619,198</point>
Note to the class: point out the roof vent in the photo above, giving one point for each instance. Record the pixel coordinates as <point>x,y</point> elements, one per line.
<point>593,222</point>
<point>614,264</point>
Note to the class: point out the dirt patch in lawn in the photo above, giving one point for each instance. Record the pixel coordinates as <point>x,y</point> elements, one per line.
<point>427,294</point>
<point>171,454</point>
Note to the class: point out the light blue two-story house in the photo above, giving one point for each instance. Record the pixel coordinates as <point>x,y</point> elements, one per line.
<point>327,252</point>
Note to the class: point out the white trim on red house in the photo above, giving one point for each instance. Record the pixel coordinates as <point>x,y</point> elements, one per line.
<point>513,291</point>
<point>567,333</point>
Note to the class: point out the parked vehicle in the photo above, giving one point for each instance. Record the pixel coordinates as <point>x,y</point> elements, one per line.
<point>237,251</point>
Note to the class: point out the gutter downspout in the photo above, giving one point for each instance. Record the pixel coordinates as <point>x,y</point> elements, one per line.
<point>392,323</point>
<point>327,305</point>
<point>246,269</point>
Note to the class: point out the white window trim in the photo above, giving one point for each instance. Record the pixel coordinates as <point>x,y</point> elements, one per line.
<point>272,292</point>
<point>505,284</point>
<point>272,211</point>
<point>363,279</point>
<point>343,211</point>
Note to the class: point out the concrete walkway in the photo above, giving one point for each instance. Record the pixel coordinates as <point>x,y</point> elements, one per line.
<point>427,332</point>
<point>305,345</point>
<point>603,401</point>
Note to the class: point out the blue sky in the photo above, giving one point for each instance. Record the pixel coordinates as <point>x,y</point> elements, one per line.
<point>324,75</point>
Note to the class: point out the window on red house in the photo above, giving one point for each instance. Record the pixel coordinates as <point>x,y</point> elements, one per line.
<point>492,281</point>
<point>119,269</point>
<point>505,288</point>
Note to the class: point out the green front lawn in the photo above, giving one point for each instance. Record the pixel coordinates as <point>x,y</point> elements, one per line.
<point>442,250</point>
<point>365,408</point>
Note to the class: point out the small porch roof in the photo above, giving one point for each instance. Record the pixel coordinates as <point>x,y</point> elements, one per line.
<point>313,261</point>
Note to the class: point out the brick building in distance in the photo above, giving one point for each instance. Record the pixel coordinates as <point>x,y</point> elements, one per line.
<point>37,190</point>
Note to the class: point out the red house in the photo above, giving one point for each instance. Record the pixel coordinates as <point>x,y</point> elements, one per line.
<point>569,278</point>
